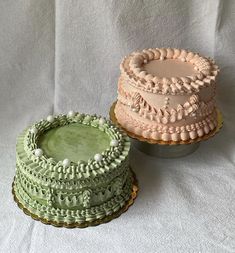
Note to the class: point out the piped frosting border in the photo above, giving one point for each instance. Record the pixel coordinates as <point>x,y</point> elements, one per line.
<point>133,71</point>
<point>110,158</point>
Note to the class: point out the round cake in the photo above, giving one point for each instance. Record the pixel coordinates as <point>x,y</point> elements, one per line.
<point>72,169</point>
<point>167,94</point>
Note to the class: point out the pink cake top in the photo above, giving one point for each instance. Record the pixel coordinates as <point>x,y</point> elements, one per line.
<point>168,71</point>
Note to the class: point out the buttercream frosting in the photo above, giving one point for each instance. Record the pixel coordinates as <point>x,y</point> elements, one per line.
<point>167,94</point>
<point>69,188</point>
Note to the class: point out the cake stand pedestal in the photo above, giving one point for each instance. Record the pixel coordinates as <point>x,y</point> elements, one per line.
<point>165,149</point>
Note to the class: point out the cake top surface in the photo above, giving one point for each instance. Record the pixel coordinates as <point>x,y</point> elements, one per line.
<point>87,145</point>
<point>74,142</point>
<point>168,70</point>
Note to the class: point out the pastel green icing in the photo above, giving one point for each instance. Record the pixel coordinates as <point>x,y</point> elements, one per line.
<point>74,142</point>
<point>83,191</point>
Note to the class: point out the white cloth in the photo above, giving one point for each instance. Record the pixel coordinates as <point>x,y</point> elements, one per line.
<point>65,54</point>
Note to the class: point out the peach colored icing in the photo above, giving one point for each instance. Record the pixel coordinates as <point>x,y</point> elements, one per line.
<point>167,94</point>
<point>169,68</point>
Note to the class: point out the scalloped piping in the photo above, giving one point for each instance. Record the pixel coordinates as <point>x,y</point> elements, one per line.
<point>132,71</point>
<point>71,216</point>
<point>61,195</point>
<point>110,156</point>
<point>166,133</point>
<point>165,115</point>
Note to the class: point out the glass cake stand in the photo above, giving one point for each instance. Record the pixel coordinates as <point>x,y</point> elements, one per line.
<point>165,149</point>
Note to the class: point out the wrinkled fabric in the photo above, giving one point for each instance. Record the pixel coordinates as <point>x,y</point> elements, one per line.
<point>61,55</point>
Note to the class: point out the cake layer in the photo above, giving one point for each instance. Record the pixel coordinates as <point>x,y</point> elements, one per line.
<point>85,182</point>
<point>167,91</point>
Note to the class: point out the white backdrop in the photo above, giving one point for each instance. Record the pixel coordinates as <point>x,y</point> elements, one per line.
<point>65,54</point>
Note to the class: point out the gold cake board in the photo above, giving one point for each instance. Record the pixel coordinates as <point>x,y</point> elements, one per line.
<point>166,147</point>
<point>106,219</point>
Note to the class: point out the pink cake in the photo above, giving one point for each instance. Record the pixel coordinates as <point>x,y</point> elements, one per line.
<point>167,94</point>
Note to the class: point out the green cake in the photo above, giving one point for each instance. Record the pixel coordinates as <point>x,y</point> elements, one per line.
<point>72,169</point>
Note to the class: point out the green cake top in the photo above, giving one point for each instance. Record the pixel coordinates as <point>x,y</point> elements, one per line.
<point>73,142</point>
<point>73,146</point>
